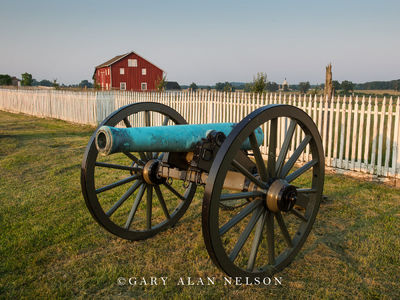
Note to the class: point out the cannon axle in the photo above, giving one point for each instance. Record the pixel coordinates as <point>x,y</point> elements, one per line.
<point>155,172</point>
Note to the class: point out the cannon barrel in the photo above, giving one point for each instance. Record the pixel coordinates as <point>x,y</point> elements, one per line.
<point>176,138</point>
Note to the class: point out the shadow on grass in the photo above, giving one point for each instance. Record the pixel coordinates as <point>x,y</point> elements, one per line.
<point>52,248</point>
<point>45,135</point>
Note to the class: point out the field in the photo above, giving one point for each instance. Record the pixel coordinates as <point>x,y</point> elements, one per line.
<point>379,92</point>
<point>52,248</point>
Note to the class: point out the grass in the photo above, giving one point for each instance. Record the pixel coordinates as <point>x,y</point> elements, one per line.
<point>50,247</point>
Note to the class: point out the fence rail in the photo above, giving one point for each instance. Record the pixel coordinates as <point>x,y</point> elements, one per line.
<point>359,134</point>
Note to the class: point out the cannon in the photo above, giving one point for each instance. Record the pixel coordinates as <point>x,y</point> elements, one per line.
<point>143,164</point>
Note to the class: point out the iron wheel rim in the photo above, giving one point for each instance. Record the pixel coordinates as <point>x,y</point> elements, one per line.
<point>88,177</point>
<point>222,162</point>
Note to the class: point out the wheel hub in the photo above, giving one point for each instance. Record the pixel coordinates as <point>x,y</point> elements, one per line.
<point>150,172</point>
<point>281,196</point>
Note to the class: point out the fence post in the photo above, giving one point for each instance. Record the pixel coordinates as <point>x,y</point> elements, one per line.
<point>388,136</point>
<point>355,135</point>
<point>360,144</point>
<point>396,140</point>
<point>380,143</point>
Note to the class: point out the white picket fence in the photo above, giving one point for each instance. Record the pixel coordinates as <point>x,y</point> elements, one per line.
<point>359,134</point>
<point>77,107</point>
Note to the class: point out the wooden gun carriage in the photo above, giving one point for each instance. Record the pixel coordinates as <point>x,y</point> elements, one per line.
<point>257,210</point>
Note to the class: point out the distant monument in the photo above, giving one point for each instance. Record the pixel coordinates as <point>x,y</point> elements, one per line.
<point>284,86</point>
<point>328,82</point>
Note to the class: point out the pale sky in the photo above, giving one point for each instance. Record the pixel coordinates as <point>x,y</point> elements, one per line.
<point>204,41</point>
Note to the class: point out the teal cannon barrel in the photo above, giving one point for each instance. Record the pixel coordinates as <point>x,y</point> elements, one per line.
<point>177,138</point>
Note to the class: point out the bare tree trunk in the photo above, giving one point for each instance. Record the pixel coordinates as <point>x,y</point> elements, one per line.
<point>328,83</point>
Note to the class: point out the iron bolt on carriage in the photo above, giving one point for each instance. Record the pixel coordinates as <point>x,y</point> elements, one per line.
<point>257,211</point>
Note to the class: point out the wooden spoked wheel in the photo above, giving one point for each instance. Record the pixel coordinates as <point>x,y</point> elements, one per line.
<point>266,231</point>
<point>114,188</point>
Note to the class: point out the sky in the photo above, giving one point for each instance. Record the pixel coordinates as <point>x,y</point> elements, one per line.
<point>204,41</point>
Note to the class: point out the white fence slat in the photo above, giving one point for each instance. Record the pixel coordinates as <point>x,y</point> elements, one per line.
<point>355,136</point>
<point>380,142</point>
<point>388,136</point>
<point>374,138</point>
<point>396,140</point>
<point>342,133</point>
<point>336,141</point>
<point>361,135</point>
<point>348,132</point>
<point>367,136</point>
<point>324,122</point>
<point>330,129</point>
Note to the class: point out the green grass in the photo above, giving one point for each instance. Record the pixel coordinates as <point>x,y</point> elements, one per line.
<point>51,247</point>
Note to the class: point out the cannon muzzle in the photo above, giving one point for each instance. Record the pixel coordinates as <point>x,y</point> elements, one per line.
<point>177,138</point>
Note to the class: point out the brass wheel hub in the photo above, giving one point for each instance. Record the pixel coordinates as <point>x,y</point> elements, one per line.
<point>150,172</point>
<point>281,196</point>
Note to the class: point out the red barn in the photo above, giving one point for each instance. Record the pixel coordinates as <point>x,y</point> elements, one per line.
<point>129,72</point>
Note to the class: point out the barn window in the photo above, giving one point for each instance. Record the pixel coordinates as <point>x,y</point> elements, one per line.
<point>144,86</point>
<point>121,71</point>
<point>144,71</point>
<point>122,86</point>
<point>132,62</point>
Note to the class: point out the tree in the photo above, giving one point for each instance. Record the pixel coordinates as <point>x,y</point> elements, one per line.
<point>193,87</point>
<point>272,86</point>
<point>259,83</point>
<point>55,84</point>
<point>228,87</point>
<point>45,82</point>
<point>161,83</point>
<point>247,87</point>
<point>347,86</point>
<point>219,86</point>
<point>396,85</point>
<point>335,85</point>
<point>85,84</point>
<point>26,79</point>
<point>315,91</point>
<point>5,79</point>
<point>304,87</point>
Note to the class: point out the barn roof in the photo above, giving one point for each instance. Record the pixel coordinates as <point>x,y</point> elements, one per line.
<point>172,85</point>
<point>113,60</point>
<point>119,57</point>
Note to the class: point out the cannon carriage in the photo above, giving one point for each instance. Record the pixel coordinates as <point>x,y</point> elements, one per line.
<point>257,210</point>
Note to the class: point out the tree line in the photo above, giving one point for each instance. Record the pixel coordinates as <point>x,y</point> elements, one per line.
<point>379,85</point>
<point>261,84</point>
<point>28,80</point>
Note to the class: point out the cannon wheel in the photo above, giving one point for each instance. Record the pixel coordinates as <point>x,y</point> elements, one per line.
<point>122,211</point>
<point>259,239</point>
